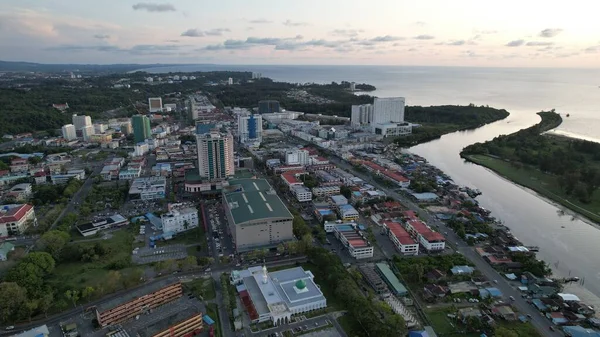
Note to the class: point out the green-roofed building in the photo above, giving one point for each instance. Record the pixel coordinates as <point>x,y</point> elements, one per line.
<point>390,278</point>
<point>257,216</point>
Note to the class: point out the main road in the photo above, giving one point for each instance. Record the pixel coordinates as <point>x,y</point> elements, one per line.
<point>540,322</point>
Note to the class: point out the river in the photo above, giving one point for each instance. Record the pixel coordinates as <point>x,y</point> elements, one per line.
<point>572,250</point>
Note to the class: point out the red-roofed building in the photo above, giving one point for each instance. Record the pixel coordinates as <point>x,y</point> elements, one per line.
<point>410,215</point>
<point>4,172</point>
<point>14,220</point>
<point>401,239</point>
<point>357,244</point>
<point>19,165</point>
<point>311,151</point>
<point>291,178</point>
<point>430,240</point>
<point>392,175</point>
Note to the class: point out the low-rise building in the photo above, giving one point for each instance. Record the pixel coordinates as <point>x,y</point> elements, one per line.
<point>130,173</point>
<point>430,240</point>
<point>356,243</point>
<point>348,213</point>
<point>150,188</point>
<point>19,165</point>
<point>15,219</point>
<point>180,220</point>
<point>181,324</point>
<point>401,239</point>
<point>91,228</point>
<point>302,193</point>
<point>325,191</point>
<point>137,302</point>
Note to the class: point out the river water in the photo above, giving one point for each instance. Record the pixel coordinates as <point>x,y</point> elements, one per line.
<point>573,250</point>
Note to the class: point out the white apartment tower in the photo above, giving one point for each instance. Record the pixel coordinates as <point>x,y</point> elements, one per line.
<point>87,132</point>
<point>297,157</point>
<point>388,110</point>
<point>230,81</point>
<point>81,121</point>
<point>250,128</point>
<point>68,132</point>
<point>215,155</point>
<point>362,114</point>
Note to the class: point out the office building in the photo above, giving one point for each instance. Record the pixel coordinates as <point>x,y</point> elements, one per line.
<point>87,132</point>
<point>215,155</point>
<point>362,114</point>
<point>268,107</point>
<point>155,104</point>
<point>276,296</point>
<point>297,157</point>
<point>137,302</point>
<point>179,220</point>
<point>149,188</point>
<point>250,128</point>
<point>302,193</point>
<point>15,219</point>
<point>388,110</point>
<point>81,121</point>
<point>352,86</point>
<point>68,132</point>
<point>256,76</point>
<point>256,215</point>
<point>141,128</point>
<point>100,128</point>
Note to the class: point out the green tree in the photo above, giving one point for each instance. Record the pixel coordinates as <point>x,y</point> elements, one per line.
<point>29,308</point>
<point>73,296</point>
<point>54,241</point>
<point>87,293</point>
<point>28,276</point>
<point>189,263</point>
<point>12,298</point>
<point>42,260</point>
<point>46,301</point>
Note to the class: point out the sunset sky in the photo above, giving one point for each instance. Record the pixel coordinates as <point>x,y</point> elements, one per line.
<point>524,33</point>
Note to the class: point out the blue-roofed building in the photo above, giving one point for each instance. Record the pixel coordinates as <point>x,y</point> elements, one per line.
<point>209,321</point>
<point>462,270</point>
<point>487,292</point>
<point>539,304</point>
<point>578,331</point>
<point>348,213</point>
<point>204,128</point>
<point>339,200</point>
<point>322,213</point>
<point>422,333</point>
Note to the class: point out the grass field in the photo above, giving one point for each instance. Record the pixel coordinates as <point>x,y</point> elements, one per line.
<point>443,326</point>
<point>202,288</point>
<point>213,312</point>
<point>521,329</point>
<point>544,184</point>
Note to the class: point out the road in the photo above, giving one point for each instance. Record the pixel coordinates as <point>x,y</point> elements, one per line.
<point>539,322</point>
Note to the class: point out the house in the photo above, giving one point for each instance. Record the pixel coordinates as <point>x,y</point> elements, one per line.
<point>557,318</point>
<point>578,331</point>
<point>5,248</point>
<point>505,312</point>
<point>19,165</point>
<point>14,219</point>
<point>490,292</point>
<point>435,290</point>
<point>462,270</point>
<point>435,275</point>
<point>465,313</point>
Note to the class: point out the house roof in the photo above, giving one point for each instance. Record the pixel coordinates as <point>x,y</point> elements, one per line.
<point>15,213</point>
<point>400,233</point>
<point>569,297</point>
<point>6,247</point>
<point>578,331</point>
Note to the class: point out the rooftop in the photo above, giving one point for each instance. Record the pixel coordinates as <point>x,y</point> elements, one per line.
<point>15,213</point>
<point>400,233</point>
<point>168,322</point>
<point>391,278</point>
<point>133,294</point>
<point>253,199</point>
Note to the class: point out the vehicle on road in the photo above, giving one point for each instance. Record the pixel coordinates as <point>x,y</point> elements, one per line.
<point>552,328</point>
<point>496,281</point>
<point>10,327</point>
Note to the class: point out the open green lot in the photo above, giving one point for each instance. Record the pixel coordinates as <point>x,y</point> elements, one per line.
<point>443,326</point>
<point>213,312</point>
<point>545,184</point>
<point>202,288</point>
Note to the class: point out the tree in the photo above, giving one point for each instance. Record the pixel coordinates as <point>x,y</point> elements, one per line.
<point>113,281</point>
<point>12,297</point>
<point>190,262</point>
<point>504,332</point>
<point>46,301</point>
<point>54,241</point>
<point>73,296</point>
<point>346,191</point>
<point>28,276</point>
<point>29,307</point>
<point>87,292</point>
<point>280,248</point>
<point>42,260</point>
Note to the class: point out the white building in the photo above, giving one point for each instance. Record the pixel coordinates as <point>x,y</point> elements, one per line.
<point>140,149</point>
<point>87,132</point>
<point>179,220</point>
<point>81,121</point>
<point>392,129</point>
<point>386,110</point>
<point>401,238</point>
<point>352,86</point>
<point>155,104</point>
<point>302,193</point>
<point>230,81</point>
<point>149,79</point>
<point>430,240</point>
<point>150,188</point>
<point>297,157</point>
<point>326,191</point>
<point>278,295</point>
<point>250,128</point>
<point>100,128</point>
<point>353,239</point>
<point>215,155</point>
<point>15,219</point>
<point>256,76</point>
<point>362,114</point>
<point>130,173</point>
<point>68,132</point>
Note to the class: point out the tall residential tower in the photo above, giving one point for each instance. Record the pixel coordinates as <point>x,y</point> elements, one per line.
<point>141,128</point>
<point>250,128</point>
<point>215,155</point>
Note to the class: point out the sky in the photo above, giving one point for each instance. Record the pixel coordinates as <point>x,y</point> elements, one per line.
<point>509,33</point>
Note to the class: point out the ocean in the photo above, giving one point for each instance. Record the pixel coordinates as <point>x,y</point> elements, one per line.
<point>519,90</point>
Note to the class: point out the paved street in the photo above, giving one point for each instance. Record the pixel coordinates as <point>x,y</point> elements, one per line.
<point>541,323</point>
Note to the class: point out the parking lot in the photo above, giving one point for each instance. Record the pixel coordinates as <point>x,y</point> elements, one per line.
<point>146,254</point>
<point>219,230</point>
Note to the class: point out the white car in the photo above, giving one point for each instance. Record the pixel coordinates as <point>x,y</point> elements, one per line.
<point>10,327</point>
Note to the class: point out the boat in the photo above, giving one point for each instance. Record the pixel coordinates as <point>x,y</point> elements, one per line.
<point>568,115</point>
<point>562,226</point>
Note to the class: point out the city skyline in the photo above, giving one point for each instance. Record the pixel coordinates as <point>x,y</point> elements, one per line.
<point>384,32</point>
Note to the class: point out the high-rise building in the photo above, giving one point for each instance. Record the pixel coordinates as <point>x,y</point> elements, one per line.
<point>388,110</point>
<point>362,114</point>
<point>297,157</point>
<point>230,81</point>
<point>141,128</point>
<point>81,121</point>
<point>87,132</point>
<point>250,128</point>
<point>155,104</point>
<point>268,106</point>
<point>215,155</point>
<point>68,132</point>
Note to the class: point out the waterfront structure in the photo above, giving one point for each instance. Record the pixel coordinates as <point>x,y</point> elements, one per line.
<point>155,104</point>
<point>256,215</point>
<point>150,188</point>
<point>401,238</point>
<point>388,110</point>
<point>276,296</point>
<point>68,132</point>
<point>250,128</point>
<point>361,114</point>
<point>392,129</point>
<point>81,121</point>
<point>352,238</point>
<point>180,220</point>
<point>297,157</point>
<point>215,155</point>
<point>141,128</point>
<point>87,132</point>
<point>15,219</point>
<point>137,302</point>
<point>268,107</point>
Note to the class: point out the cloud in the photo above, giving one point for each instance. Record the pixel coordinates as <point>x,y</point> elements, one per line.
<point>141,49</point>
<point>291,23</point>
<point>420,23</point>
<point>550,32</point>
<point>347,32</point>
<point>424,37</point>
<point>255,41</point>
<point>154,7</point>
<point>539,44</point>
<point>486,32</point>
<point>413,49</point>
<point>101,36</point>
<point>387,38</point>
<point>193,32</point>
<point>260,21</point>
<point>455,43</point>
<point>217,31</point>
<point>172,41</point>
<point>592,49</point>
<point>515,43</point>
